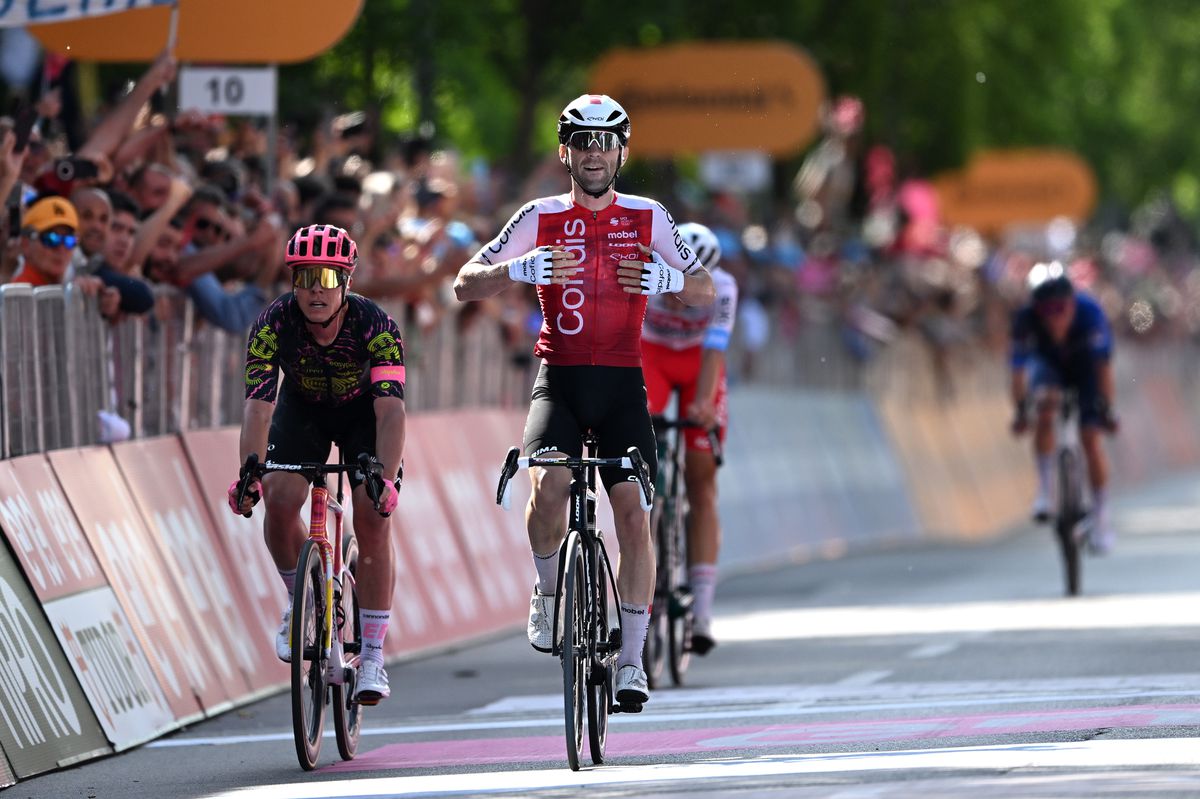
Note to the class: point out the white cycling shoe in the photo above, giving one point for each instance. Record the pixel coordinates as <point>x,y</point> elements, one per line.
<point>632,688</point>
<point>283,637</point>
<point>1041,507</point>
<point>372,684</point>
<point>541,617</point>
<point>1101,538</point>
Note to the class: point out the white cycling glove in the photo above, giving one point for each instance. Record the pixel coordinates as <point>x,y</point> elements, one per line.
<point>659,277</point>
<point>534,267</point>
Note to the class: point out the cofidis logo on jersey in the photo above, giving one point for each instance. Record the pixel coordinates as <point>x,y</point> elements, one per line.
<point>570,320</point>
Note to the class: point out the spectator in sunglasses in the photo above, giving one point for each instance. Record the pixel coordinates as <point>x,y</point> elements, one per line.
<point>48,239</point>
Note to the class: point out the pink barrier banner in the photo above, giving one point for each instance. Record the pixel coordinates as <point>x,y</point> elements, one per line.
<point>213,455</point>
<point>146,587</point>
<point>462,448</point>
<point>160,479</point>
<point>437,599</point>
<point>90,625</point>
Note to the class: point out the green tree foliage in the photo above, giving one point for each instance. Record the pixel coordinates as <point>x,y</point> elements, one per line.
<point>1115,80</point>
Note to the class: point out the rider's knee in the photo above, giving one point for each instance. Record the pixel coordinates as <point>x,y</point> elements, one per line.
<point>551,487</point>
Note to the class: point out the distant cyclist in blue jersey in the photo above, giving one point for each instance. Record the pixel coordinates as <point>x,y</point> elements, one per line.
<point>1062,340</point>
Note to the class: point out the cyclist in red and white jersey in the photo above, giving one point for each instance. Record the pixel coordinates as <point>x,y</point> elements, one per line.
<point>683,348</point>
<point>595,256</point>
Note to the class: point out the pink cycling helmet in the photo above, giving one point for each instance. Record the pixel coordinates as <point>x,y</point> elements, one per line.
<point>323,245</point>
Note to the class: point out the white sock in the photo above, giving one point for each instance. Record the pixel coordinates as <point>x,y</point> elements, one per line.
<point>289,582</point>
<point>634,621</point>
<point>702,577</point>
<point>547,572</point>
<point>374,625</point>
<point>1045,471</point>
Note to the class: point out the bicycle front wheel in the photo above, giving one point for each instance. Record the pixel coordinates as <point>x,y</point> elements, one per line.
<point>600,680</point>
<point>574,648</point>
<point>679,607</point>
<point>308,657</point>
<point>347,714</point>
<point>1070,514</point>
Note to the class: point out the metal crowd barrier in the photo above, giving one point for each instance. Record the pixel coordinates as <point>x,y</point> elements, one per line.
<point>62,364</point>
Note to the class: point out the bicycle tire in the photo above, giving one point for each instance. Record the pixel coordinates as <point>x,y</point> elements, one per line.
<point>308,657</point>
<point>347,714</point>
<point>574,649</point>
<point>600,680</point>
<point>679,630</point>
<point>654,651</point>
<point>1070,514</point>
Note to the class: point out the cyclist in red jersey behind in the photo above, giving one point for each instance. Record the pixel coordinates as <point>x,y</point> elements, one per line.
<point>683,348</point>
<point>594,256</point>
<point>337,362</point>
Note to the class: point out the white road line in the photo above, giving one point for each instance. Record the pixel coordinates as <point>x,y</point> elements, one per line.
<point>1079,613</point>
<point>925,706</point>
<point>933,650</point>
<point>863,678</point>
<point>1144,752</point>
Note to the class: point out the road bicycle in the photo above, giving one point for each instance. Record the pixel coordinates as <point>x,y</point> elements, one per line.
<point>1070,508</point>
<point>587,600</point>
<point>325,633</point>
<point>668,639</point>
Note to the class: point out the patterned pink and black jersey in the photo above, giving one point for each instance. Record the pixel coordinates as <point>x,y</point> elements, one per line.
<point>367,355</point>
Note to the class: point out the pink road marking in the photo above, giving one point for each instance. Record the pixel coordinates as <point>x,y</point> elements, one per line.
<point>484,751</point>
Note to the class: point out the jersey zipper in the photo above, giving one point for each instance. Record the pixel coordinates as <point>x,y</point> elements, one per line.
<point>595,298</point>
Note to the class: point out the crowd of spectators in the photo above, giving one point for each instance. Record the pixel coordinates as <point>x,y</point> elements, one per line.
<point>854,255</point>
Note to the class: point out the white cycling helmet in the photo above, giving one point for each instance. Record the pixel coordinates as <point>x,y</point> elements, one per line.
<point>703,242</point>
<point>593,112</point>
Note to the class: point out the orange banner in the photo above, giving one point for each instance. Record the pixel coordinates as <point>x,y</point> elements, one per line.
<point>999,188</point>
<point>229,31</point>
<point>700,96</point>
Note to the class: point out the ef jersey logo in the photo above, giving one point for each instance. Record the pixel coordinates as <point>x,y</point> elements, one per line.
<point>264,344</point>
<point>384,347</point>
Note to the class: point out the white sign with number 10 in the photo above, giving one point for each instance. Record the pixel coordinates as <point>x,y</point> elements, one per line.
<point>244,91</point>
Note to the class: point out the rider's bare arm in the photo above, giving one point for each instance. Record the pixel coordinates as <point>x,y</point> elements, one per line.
<point>256,423</point>
<point>389,434</point>
<point>697,288</point>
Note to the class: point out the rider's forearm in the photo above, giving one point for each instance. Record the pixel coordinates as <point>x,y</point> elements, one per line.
<point>697,289</point>
<point>478,281</point>
<point>389,434</point>
<point>256,423</point>
<point>711,363</point>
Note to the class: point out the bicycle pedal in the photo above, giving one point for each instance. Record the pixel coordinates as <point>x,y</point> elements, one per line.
<point>627,707</point>
<point>680,603</point>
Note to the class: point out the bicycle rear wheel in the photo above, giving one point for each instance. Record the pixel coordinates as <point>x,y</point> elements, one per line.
<point>574,649</point>
<point>1070,514</point>
<point>347,714</point>
<point>308,657</point>
<point>654,651</point>
<point>679,630</point>
<point>600,680</point>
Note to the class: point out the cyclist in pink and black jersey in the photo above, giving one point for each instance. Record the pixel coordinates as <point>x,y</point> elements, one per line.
<point>595,256</point>
<point>324,365</point>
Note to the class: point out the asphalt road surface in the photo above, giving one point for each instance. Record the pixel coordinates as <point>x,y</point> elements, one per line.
<point>934,671</point>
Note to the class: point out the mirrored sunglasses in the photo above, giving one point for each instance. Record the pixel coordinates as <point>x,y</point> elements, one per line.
<point>53,239</point>
<point>324,276</point>
<point>604,139</point>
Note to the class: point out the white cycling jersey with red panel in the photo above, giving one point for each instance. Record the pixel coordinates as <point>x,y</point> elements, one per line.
<point>670,323</point>
<point>592,320</point>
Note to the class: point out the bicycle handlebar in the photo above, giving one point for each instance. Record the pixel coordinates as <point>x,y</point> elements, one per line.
<point>714,440</point>
<point>632,461</point>
<point>371,469</point>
